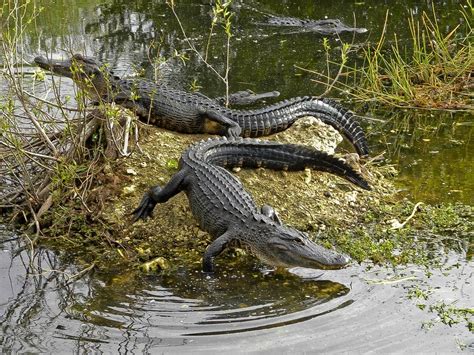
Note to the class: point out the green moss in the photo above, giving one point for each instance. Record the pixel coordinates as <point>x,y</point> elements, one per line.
<point>155,265</point>
<point>450,315</point>
<point>172,164</point>
<point>446,217</point>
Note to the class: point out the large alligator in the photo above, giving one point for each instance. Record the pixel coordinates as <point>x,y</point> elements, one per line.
<point>228,213</point>
<point>186,112</point>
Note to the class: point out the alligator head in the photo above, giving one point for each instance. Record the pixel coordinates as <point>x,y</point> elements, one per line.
<point>288,247</point>
<point>87,73</point>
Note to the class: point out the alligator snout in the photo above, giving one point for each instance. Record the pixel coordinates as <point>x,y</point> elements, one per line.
<point>42,62</point>
<point>289,247</point>
<point>317,257</point>
<point>59,67</point>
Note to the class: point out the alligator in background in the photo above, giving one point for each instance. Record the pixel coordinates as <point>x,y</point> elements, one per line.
<point>324,27</point>
<point>186,112</point>
<point>228,213</point>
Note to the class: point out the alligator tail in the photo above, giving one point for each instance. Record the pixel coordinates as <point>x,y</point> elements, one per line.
<point>280,116</point>
<point>253,153</point>
<point>333,114</point>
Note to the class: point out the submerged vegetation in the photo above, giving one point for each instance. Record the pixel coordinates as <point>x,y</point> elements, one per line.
<point>434,70</point>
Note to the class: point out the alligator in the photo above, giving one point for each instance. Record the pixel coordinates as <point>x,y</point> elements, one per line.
<point>228,213</point>
<point>324,27</point>
<point>245,97</point>
<point>185,112</point>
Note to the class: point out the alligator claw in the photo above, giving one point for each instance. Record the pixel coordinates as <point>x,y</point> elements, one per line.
<point>234,132</point>
<point>145,208</point>
<point>207,266</point>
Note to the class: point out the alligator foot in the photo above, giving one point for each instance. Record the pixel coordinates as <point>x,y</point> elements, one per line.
<point>145,208</point>
<point>233,130</point>
<point>208,267</point>
<point>271,213</point>
<point>214,249</point>
<point>159,195</point>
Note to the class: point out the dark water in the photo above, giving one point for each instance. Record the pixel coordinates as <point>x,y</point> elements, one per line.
<point>45,304</point>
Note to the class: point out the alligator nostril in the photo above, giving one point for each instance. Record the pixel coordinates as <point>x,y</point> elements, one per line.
<point>344,259</point>
<point>341,259</point>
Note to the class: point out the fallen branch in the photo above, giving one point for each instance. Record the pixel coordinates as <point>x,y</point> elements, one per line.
<point>397,225</point>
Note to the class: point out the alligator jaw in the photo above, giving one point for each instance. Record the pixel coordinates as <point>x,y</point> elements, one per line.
<point>315,256</point>
<point>311,256</point>
<point>288,247</point>
<point>321,258</point>
<point>60,67</point>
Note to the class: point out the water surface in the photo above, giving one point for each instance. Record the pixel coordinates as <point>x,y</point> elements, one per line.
<point>43,307</point>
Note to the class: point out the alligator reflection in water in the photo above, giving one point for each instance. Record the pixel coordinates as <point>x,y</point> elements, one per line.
<point>189,302</point>
<point>268,301</point>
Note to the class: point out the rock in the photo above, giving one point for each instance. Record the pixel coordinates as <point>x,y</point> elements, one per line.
<point>351,196</point>
<point>201,234</point>
<point>129,189</point>
<point>154,265</point>
<point>307,176</point>
<point>310,131</point>
<point>131,171</point>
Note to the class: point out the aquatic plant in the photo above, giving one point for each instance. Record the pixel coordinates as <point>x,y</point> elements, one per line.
<point>434,70</point>
<point>49,151</point>
<point>221,13</point>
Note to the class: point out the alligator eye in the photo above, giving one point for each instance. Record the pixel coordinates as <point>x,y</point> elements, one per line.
<point>300,241</point>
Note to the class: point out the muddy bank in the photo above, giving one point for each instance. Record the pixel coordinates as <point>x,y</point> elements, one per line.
<point>334,212</point>
<point>309,200</point>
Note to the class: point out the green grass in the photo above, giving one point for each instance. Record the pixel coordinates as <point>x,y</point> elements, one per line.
<point>434,70</point>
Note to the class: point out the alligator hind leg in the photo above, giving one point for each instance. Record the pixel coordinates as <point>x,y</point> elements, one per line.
<point>270,213</point>
<point>232,128</point>
<point>214,249</point>
<point>159,195</point>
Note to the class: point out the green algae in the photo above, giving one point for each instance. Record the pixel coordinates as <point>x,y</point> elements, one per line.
<point>446,313</point>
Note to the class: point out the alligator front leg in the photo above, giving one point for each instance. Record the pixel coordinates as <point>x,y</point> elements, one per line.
<point>233,129</point>
<point>133,105</point>
<point>214,249</point>
<point>159,195</point>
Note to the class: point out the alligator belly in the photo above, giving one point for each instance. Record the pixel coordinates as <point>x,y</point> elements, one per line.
<point>181,123</point>
<point>213,127</point>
